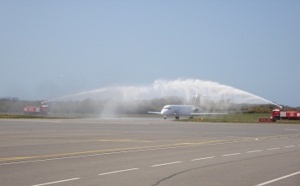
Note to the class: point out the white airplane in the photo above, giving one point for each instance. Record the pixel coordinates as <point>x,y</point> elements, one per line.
<point>182,110</point>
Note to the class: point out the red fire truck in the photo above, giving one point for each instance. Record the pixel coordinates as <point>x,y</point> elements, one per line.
<point>43,109</point>
<point>278,114</point>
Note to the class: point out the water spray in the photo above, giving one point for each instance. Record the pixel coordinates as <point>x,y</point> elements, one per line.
<point>185,89</point>
<point>213,95</point>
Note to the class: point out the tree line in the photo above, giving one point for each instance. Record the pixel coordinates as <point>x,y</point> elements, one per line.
<point>94,107</point>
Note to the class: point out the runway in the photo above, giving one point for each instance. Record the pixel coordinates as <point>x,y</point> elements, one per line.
<point>147,152</point>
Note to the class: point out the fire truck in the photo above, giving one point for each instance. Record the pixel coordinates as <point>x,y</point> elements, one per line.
<point>35,110</point>
<point>278,114</point>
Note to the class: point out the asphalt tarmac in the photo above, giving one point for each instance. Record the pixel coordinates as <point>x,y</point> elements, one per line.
<point>147,152</point>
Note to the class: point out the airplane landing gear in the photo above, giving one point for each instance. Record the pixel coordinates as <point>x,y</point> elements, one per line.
<point>176,117</point>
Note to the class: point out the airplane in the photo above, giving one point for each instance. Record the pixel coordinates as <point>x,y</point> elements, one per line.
<point>182,110</point>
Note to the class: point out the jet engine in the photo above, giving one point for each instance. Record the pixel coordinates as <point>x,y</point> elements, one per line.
<point>196,109</point>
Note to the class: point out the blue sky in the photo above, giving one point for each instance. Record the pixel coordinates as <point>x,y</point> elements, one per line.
<point>54,48</point>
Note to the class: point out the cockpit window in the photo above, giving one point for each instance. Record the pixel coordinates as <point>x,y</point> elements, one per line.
<point>167,108</point>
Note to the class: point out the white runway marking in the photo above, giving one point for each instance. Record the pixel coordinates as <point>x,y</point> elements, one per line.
<point>118,171</point>
<point>290,146</point>
<point>118,152</point>
<point>164,164</point>
<point>291,129</point>
<point>275,148</point>
<point>55,182</point>
<point>203,158</point>
<point>254,151</point>
<point>170,163</point>
<point>234,154</point>
<point>277,179</point>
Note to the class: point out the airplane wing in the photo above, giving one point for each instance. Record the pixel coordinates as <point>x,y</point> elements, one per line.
<point>152,112</point>
<point>209,113</point>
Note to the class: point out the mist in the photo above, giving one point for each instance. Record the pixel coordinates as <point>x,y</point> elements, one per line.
<point>136,99</point>
<point>186,89</point>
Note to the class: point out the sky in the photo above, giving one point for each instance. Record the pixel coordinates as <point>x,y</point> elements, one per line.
<point>54,48</point>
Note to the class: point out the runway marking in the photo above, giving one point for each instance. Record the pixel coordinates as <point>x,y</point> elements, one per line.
<point>170,163</point>
<point>253,151</point>
<point>55,182</point>
<point>13,158</point>
<point>275,148</point>
<point>233,154</point>
<point>26,159</point>
<point>83,154</point>
<point>289,146</point>
<point>277,179</point>
<point>124,140</point>
<point>117,171</point>
<point>291,129</point>
<point>203,158</point>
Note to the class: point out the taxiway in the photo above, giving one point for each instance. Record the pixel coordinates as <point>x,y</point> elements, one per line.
<point>147,152</point>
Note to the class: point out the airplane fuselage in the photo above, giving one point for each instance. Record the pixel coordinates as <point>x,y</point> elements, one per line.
<point>178,110</point>
<point>182,110</point>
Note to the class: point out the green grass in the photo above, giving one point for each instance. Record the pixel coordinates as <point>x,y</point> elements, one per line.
<point>238,118</point>
<point>22,116</point>
<point>228,118</point>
